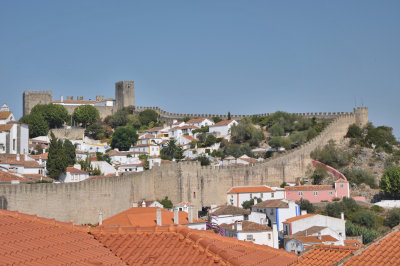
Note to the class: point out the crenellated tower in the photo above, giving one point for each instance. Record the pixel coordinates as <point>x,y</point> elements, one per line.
<point>361,116</point>
<point>124,94</point>
<point>32,98</point>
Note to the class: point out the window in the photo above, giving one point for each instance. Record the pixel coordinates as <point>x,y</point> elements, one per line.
<point>269,236</point>
<point>262,195</point>
<point>315,193</point>
<point>330,193</point>
<point>194,195</point>
<point>300,193</point>
<point>272,195</point>
<point>341,186</point>
<point>14,144</point>
<point>249,237</point>
<point>251,195</point>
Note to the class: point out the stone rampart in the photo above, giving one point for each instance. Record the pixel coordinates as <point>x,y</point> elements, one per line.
<point>68,133</point>
<point>186,181</point>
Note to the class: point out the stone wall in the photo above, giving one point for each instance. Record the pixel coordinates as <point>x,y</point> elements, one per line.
<point>68,133</point>
<point>187,181</point>
<point>32,98</point>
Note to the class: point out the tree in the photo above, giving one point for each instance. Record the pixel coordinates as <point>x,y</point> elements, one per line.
<point>204,161</point>
<point>95,131</point>
<point>245,132</point>
<point>248,203</point>
<point>37,125</point>
<point>55,115</point>
<point>237,150</point>
<point>104,157</point>
<point>217,119</point>
<point>148,116</point>
<point>365,218</point>
<point>331,155</point>
<point>123,138</point>
<point>390,181</point>
<point>306,205</point>
<point>120,118</point>
<point>319,174</point>
<point>229,116</point>
<point>278,142</point>
<point>85,115</point>
<point>393,218</point>
<point>69,152</point>
<point>57,161</point>
<point>354,131</point>
<point>166,203</point>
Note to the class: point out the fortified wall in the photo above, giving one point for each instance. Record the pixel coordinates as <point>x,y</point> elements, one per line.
<point>186,181</point>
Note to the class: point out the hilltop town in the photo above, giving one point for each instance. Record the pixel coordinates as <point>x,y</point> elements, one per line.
<point>274,188</point>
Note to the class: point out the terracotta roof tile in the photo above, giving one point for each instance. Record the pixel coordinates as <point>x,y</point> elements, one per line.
<point>314,239</point>
<point>146,216</point>
<point>246,227</point>
<point>179,245</point>
<point>190,138</point>
<point>250,189</point>
<point>6,177</point>
<point>325,255</point>
<point>310,231</point>
<point>30,240</point>
<point>4,114</point>
<point>75,170</point>
<point>43,156</point>
<point>299,217</point>
<point>272,204</point>
<point>5,127</point>
<point>222,123</point>
<point>309,187</point>
<point>185,127</point>
<point>230,210</point>
<point>196,120</point>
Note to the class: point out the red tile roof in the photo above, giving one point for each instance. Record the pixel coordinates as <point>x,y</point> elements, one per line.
<point>179,245</point>
<point>5,127</point>
<point>4,114</point>
<point>43,156</point>
<point>309,187</point>
<point>222,123</point>
<point>11,159</point>
<point>293,219</point>
<point>30,240</point>
<point>146,216</point>
<point>383,251</point>
<point>250,189</point>
<point>190,138</point>
<point>326,255</point>
<point>196,120</point>
<point>230,210</point>
<point>246,227</point>
<point>185,127</point>
<point>6,177</point>
<point>314,239</point>
<point>272,204</point>
<point>75,170</point>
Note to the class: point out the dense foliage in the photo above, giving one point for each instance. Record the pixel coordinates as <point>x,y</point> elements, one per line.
<point>331,155</point>
<point>390,182</point>
<point>356,230</point>
<point>359,176</point>
<point>85,115</point>
<point>172,151</point>
<point>123,138</point>
<point>245,132</point>
<point>61,154</point>
<point>306,205</point>
<point>248,203</point>
<point>393,218</point>
<point>166,203</point>
<point>37,125</point>
<point>319,174</point>
<point>98,131</point>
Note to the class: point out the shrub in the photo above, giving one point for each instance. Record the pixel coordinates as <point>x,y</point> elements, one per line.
<point>365,218</point>
<point>248,203</point>
<point>377,208</point>
<point>331,155</point>
<point>359,176</point>
<point>393,218</point>
<point>166,203</point>
<point>390,181</point>
<point>356,230</point>
<point>319,174</point>
<point>306,205</point>
<point>204,161</point>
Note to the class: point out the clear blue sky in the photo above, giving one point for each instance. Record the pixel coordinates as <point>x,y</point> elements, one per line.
<point>208,56</point>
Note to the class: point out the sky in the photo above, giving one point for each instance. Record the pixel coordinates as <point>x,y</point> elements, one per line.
<point>244,57</point>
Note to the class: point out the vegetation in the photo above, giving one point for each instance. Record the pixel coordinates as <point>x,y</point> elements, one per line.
<point>390,182</point>
<point>172,151</point>
<point>98,131</point>
<point>85,115</point>
<point>319,174</point>
<point>37,125</point>
<point>245,132</point>
<point>306,205</point>
<point>103,157</point>
<point>237,150</point>
<point>217,119</point>
<point>248,203</point>
<point>331,155</point>
<point>356,230</point>
<point>61,154</point>
<point>359,176</point>
<point>166,203</point>
<point>123,138</point>
<point>393,218</point>
<point>148,116</point>
<point>204,161</point>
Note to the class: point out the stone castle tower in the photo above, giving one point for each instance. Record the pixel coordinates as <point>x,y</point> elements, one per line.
<point>124,94</point>
<point>32,98</point>
<point>361,116</point>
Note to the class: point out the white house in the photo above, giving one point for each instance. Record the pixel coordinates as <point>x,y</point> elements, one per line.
<point>200,122</point>
<point>228,214</point>
<point>254,232</point>
<point>237,195</point>
<point>124,157</point>
<point>184,141</point>
<point>147,203</point>
<point>176,132</point>
<point>298,244</point>
<point>73,175</point>
<point>14,136</point>
<point>133,167</point>
<point>149,149</point>
<point>21,164</point>
<point>246,160</point>
<point>104,167</point>
<point>223,128</point>
<point>277,211</point>
<point>305,221</point>
<point>184,206</point>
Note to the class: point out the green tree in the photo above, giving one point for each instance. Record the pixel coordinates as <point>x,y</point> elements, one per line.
<point>356,230</point>
<point>166,203</point>
<point>319,174</point>
<point>120,118</point>
<point>148,116</point>
<point>229,116</point>
<point>382,137</point>
<point>245,132</point>
<point>95,131</point>
<point>331,155</point>
<point>217,119</point>
<point>187,118</point>
<point>390,182</point>
<point>37,125</point>
<point>306,205</point>
<point>354,131</point>
<point>393,218</point>
<point>365,218</point>
<point>85,115</point>
<point>359,176</point>
<point>237,150</point>
<point>278,142</point>
<point>55,115</point>
<point>104,157</point>
<point>248,203</point>
<point>204,161</point>
<point>123,138</point>
<point>57,161</point>
<point>69,152</point>
<point>133,121</point>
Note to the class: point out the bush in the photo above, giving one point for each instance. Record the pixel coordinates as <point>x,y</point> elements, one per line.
<point>348,205</point>
<point>331,155</point>
<point>278,142</point>
<point>319,174</point>
<point>356,230</point>
<point>365,218</point>
<point>148,116</point>
<point>377,208</point>
<point>393,218</point>
<point>390,182</point>
<point>354,131</point>
<point>166,203</point>
<point>284,184</point>
<point>248,203</point>
<point>359,176</point>
<point>245,132</point>
<point>204,161</point>
<point>306,205</point>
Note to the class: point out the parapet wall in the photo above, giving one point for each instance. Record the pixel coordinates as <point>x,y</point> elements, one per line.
<point>186,181</point>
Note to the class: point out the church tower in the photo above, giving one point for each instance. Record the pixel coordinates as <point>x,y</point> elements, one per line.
<point>124,94</point>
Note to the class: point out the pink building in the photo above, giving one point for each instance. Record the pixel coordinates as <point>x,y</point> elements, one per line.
<point>318,193</point>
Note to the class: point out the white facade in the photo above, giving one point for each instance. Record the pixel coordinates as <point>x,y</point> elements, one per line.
<point>258,217</point>
<point>223,128</point>
<point>237,195</point>
<point>150,149</point>
<point>105,168</point>
<point>14,136</point>
<point>126,168</point>
<point>200,122</point>
<point>226,219</point>
<point>260,238</point>
<point>73,175</point>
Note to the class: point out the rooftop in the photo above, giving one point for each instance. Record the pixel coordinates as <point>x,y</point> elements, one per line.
<point>230,210</point>
<point>272,204</point>
<point>75,170</point>
<point>246,227</point>
<point>310,231</point>
<point>315,239</point>
<point>309,187</point>
<point>5,127</point>
<point>325,255</point>
<point>297,218</point>
<point>4,114</point>
<point>250,189</point>
<point>196,120</point>
<point>6,177</point>
<point>222,123</point>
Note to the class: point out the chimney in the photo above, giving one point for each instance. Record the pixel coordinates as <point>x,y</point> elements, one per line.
<point>159,217</point>
<point>190,214</point>
<point>44,151</point>
<point>239,226</point>
<point>26,157</point>
<point>17,157</point>
<point>176,216</point>
<point>319,236</point>
<point>135,205</point>
<point>143,203</point>
<point>100,217</point>
<point>275,243</point>
<point>303,212</point>
<point>62,99</point>
<point>342,215</point>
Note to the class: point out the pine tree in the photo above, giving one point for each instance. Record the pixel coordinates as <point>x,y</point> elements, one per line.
<point>57,161</point>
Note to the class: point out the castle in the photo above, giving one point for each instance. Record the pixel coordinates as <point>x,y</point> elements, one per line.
<point>124,97</point>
